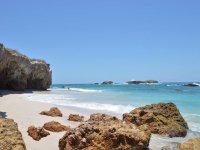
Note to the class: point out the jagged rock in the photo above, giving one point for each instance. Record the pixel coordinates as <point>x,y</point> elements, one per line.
<point>55,126</point>
<point>37,133</point>
<point>162,118</point>
<point>10,136</point>
<point>54,112</point>
<point>192,144</point>
<point>107,82</point>
<point>105,134</point>
<point>18,72</point>
<point>139,82</point>
<point>76,117</point>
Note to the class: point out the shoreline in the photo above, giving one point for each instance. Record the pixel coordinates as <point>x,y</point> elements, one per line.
<point>26,113</point>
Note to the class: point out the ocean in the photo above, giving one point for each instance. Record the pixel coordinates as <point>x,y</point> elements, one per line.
<point>120,98</point>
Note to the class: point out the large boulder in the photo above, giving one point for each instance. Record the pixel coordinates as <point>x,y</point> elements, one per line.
<point>105,134</point>
<point>37,133</point>
<point>18,72</point>
<point>53,112</point>
<point>10,136</point>
<point>162,118</point>
<point>192,144</point>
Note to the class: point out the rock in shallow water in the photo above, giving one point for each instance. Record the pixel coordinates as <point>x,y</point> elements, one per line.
<point>192,144</point>
<point>162,118</point>
<point>54,112</point>
<point>37,133</point>
<point>105,134</point>
<point>18,72</point>
<point>10,136</point>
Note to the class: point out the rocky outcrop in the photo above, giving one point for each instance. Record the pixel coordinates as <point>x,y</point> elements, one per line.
<point>10,136</point>
<point>140,82</point>
<point>54,112</point>
<point>162,118</point>
<point>76,117</point>
<point>107,82</point>
<point>192,84</point>
<point>18,72</point>
<point>55,127</point>
<point>107,133</point>
<point>37,133</point>
<point>192,144</point>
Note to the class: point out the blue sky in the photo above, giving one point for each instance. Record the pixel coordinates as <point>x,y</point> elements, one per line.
<point>88,41</point>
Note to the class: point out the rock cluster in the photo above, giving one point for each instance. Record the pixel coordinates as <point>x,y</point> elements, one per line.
<point>54,112</point>
<point>76,117</point>
<point>192,144</point>
<point>37,133</point>
<point>139,81</point>
<point>162,118</point>
<point>18,72</point>
<point>55,127</point>
<point>107,133</point>
<point>10,137</point>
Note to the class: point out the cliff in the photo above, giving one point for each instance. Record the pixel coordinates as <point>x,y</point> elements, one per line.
<point>18,72</point>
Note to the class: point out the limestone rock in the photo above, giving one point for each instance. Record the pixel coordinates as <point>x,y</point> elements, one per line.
<point>37,133</point>
<point>192,144</point>
<point>76,117</point>
<point>113,134</point>
<point>162,118</point>
<point>10,136</point>
<point>55,126</point>
<point>18,72</point>
<point>54,112</point>
<point>107,82</point>
<point>140,81</point>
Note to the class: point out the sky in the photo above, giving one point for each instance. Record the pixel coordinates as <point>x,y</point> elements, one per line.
<point>88,41</point>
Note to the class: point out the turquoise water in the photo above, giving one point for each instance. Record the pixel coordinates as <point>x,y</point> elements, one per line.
<point>121,98</point>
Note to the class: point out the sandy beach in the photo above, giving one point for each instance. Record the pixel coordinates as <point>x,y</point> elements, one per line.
<point>26,113</point>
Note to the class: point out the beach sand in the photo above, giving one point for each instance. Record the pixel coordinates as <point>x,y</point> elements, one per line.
<point>26,113</point>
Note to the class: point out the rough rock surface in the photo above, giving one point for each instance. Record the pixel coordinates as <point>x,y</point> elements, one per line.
<point>76,117</point>
<point>162,118</point>
<point>54,112</point>
<point>55,127</point>
<point>107,82</point>
<point>10,137</point>
<point>139,82</point>
<point>18,72</point>
<point>37,133</point>
<point>109,133</point>
<point>192,144</point>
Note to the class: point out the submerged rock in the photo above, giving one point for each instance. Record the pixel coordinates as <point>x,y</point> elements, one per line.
<point>192,144</point>
<point>100,132</point>
<point>54,112</point>
<point>55,127</point>
<point>139,82</point>
<point>162,118</point>
<point>76,117</point>
<point>107,82</point>
<point>37,133</point>
<point>10,136</point>
<point>18,72</point>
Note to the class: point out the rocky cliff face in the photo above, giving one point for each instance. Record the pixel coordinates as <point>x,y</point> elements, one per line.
<point>18,72</point>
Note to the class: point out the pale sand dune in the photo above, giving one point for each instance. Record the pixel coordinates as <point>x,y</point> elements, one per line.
<point>26,113</point>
